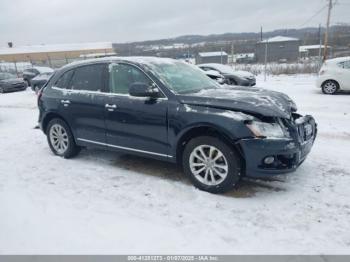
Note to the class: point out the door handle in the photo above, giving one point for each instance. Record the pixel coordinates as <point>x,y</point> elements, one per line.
<point>65,102</point>
<point>110,107</point>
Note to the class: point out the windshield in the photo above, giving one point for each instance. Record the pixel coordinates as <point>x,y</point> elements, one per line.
<point>4,76</point>
<point>183,78</point>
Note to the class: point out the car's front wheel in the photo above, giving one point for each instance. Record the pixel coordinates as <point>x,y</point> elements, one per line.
<point>330,87</point>
<point>211,165</point>
<point>60,139</point>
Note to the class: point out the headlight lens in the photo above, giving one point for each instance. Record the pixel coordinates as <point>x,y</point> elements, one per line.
<point>269,130</point>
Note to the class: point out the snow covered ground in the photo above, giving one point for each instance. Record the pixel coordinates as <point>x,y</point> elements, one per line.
<point>108,203</point>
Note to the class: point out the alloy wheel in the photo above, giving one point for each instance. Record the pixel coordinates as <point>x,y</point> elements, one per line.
<point>330,87</point>
<point>208,165</point>
<point>59,138</point>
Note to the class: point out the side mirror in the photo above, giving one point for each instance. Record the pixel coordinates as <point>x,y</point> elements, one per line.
<point>143,90</point>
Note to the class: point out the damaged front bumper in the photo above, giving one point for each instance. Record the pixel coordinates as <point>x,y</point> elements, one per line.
<point>267,157</point>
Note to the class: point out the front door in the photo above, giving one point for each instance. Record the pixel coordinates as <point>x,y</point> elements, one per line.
<point>135,124</point>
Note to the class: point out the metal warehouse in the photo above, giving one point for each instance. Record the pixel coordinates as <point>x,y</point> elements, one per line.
<point>278,49</point>
<point>212,57</point>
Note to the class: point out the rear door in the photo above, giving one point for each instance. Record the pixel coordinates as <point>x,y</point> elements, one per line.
<point>83,103</point>
<point>135,124</point>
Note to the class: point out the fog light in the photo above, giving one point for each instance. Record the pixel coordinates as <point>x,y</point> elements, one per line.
<point>269,160</point>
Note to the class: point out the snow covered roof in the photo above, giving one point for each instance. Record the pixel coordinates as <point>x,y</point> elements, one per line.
<point>304,48</point>
<point>209,54</point>
<point>279,39</point>
<point>43,69</point>
<point>55,48</point>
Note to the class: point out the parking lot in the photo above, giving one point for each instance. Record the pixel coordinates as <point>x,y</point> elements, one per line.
<point>104,202</point>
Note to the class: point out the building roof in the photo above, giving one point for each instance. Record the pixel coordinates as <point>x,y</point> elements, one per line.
<point>279,39</point>
<point>210,54</point>
<point>30,49</point>
<point>304,48</point>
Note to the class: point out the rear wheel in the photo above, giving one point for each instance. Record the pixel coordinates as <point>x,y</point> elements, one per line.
<point>211,165</point>
<point>330,87</point>
<point>60,139</point>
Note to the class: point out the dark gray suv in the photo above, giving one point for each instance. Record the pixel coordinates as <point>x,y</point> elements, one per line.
<point>169,110</point>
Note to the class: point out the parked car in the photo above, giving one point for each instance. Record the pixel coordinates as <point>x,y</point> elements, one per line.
<point>169,110</point>
<point>215,75</point>
<point>10,83</point>
<point>30,73</point>
<point>38,81</point>
<point>334,75</point>
<point>232,77</point>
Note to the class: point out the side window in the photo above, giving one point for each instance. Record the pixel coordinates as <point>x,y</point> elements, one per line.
<point>88,78</point>
<point>122,76</point>
<point>347,64</point>
<point>64,80</point>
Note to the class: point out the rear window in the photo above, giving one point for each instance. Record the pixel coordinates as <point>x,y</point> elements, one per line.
<point>88,78</point>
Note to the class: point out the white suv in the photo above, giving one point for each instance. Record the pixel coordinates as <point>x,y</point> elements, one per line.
<point>334,75</point>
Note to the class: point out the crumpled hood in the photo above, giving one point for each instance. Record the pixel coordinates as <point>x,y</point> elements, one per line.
<point>248,100</point>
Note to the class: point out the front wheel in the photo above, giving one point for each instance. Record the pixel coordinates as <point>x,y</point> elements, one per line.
<point>60,139</point>
<point>211,165</point>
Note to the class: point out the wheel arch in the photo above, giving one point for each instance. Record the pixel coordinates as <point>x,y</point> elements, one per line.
<point>51,115</point>
<point>333,80</point>
<point>205,130</point>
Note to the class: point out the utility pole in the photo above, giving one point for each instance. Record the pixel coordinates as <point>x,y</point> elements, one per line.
<point>265,67</point>
<point>330,6</point>
<point>320,48</point>
<point>232,54</point>
<point>221,55</point>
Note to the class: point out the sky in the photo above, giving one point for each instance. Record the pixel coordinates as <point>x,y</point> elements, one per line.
<point>75,21</point>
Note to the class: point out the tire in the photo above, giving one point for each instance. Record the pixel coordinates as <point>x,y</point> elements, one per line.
<point>36,89</point>
<point>2,90</point>
<point>65,146</point>
<point>330,87</point>
<point>27,81</point>
<point>232,82</point>
<point>228,165</point>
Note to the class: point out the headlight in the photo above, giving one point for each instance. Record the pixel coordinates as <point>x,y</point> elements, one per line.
<point>269,130</point>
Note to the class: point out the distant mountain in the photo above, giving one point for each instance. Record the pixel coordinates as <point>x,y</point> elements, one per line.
<point>243,42</point>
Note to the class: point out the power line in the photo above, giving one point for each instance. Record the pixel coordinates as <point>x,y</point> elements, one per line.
<point>314,15</point>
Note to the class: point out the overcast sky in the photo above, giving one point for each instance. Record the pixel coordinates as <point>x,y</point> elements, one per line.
<point>73,21</point>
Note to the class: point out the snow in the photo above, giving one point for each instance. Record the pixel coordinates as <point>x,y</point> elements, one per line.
<point>43,69</point>
<point>209,54</point>
<point>55,48</point>
<point>108,203</point>
<point>226,69</point>
<point>305,48</point>
<point>279,39</point>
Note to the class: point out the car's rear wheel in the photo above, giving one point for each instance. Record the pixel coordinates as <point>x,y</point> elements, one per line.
<point>60,139</point>
<point>211,165</point>
<point>330,87</point>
